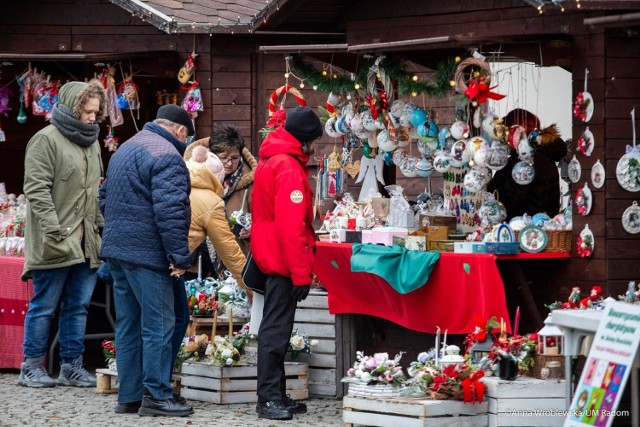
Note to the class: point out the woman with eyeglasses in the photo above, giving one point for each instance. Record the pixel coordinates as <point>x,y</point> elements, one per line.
<point>227,143</point>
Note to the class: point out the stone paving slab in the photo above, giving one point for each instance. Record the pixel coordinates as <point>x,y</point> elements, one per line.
<point>81,407</point>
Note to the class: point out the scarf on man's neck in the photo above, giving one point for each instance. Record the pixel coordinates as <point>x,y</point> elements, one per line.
<point>80,133</point>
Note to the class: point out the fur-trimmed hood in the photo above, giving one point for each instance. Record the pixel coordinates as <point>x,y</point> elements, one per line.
<point>75,94</point>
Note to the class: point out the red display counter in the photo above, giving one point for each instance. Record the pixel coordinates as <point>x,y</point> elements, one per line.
<point>461,290</point>
<point>14,301</point>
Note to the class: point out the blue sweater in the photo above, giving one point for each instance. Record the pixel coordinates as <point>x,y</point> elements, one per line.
<point>145,202</point>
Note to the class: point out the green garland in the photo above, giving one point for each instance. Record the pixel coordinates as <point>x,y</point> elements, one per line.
<point>437,87</point>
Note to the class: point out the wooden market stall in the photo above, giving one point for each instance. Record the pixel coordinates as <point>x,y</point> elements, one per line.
<point>242,50</point>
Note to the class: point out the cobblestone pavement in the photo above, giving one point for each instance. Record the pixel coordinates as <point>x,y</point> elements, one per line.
<point>78,407</point>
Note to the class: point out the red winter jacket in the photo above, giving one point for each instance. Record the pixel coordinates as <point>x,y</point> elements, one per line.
<point>282,236</point>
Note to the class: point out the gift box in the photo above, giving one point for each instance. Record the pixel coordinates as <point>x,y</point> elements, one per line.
<point>383,235</point>
<point>425,220</point>
<point>437,232</point>
<point>479,248</point>
<point>463,247</point>
<point>416,243</point>
<point>340,235</point>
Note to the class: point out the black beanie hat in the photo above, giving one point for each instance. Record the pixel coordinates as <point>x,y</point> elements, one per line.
<point>303,124</point>
<point>176,114</point>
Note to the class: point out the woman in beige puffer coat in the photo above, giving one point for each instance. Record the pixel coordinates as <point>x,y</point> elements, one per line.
<point>208,217</point>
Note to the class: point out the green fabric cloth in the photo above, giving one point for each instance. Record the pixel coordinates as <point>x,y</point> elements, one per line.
<point>404,270</point>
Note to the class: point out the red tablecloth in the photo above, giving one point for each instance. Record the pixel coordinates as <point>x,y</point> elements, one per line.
<point>461,290</point>
<point>14,300</point>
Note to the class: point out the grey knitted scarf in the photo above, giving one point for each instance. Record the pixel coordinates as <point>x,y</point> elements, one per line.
<point>74,130</point>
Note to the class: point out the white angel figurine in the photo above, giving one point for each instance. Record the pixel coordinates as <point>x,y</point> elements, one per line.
<point>370,172</point>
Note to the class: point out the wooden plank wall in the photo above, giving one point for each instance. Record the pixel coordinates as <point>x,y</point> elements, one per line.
<point>621,84</point>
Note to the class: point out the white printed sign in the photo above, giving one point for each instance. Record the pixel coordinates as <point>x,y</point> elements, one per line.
<point>607,369</point>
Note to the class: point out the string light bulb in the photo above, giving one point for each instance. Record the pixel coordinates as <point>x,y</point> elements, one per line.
<point>286,75</point>
<point>324,73</point>
<point>357,86</point>
<point>414,78</point>
<point>414,94</point>
<point>301,85</point>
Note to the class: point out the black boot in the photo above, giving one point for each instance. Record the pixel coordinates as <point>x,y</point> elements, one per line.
<point>167,407</point>
<point>128,408</point>
<point>294,406</point>
<point>273,410</point>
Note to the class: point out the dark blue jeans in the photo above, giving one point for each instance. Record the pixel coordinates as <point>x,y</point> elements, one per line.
<point>181,308</point>
<point>145,324</point>
<point>70,287</point>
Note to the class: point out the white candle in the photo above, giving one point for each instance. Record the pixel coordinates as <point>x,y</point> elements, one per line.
<point>437,344</point>
<point>444,342</point>
<point>199,266</point>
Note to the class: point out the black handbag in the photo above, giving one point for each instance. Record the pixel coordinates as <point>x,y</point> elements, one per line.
<point>252,276</point>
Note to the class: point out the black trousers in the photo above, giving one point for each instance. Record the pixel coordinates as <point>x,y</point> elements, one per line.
<point>273,338</point>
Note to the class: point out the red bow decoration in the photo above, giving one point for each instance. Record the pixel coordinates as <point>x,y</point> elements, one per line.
<point>473,388</point>
<point>480,91</point>
<point>277,119</point>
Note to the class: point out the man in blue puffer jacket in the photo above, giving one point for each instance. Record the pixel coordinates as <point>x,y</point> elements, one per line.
<point>145,203</point>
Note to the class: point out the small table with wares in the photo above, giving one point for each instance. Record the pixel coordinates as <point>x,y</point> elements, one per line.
<point>14,302</point>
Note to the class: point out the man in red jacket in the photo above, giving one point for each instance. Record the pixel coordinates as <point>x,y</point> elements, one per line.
<point>283,245</point>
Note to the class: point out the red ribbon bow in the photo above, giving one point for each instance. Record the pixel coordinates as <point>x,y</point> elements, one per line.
<point>480,91</point>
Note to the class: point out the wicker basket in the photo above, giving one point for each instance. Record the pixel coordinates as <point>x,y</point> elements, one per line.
<point>361,389</point>
<point>542,360</point>
<point>559,241</point>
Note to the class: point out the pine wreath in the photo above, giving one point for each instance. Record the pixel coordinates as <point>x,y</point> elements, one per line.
<point>438,86</point>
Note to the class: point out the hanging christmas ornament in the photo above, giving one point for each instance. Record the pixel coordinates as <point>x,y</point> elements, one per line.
<point>110,141</point>
<point>586,142</point>
<point>523,173</point>
<point>516,134</point>
<point>352,168</point>
<point>631,219</point>
<point>525,151</point>
<point>497,157</point>
<point>399,155</point>
<point>424,168</point>
<point>474,181</point>
<point>459,130</point>
<point>188,69</point>
<point>628,167</point>
<point>584,200</point>
<point>459,155</point>
<point>442,162</point>
<point>445,139</point>
<point>597,174</point>
<point>574,169</point>
<point>585,242</point>
<point>583,104</point>
<point>408,167</point>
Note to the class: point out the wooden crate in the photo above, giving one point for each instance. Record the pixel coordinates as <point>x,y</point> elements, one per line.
<point>203,325</point>
<point>236,384</point>
<point>525,402</point>
<point>107,381</point>
<point>329,360</point>
<point>411,412</point>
